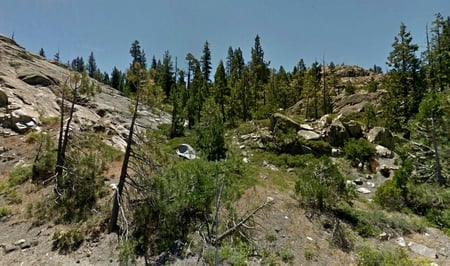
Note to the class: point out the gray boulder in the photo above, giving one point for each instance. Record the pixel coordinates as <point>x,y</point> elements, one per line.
<point>353,128</point>
<point>381,136</point>
<point>308,135</point>
<point>281,122</point>
<point>423,250</point>
<point>337,133</point>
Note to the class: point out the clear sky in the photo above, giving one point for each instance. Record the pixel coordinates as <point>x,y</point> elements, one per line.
<point>354,32</point>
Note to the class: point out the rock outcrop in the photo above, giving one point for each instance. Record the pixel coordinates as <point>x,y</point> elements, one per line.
<point>29,90</point>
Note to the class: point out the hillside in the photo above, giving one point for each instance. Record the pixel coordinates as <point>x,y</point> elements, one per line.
<point>267,160</point>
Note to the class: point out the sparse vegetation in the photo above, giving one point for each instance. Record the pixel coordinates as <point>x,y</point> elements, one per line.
<point>67,241</point>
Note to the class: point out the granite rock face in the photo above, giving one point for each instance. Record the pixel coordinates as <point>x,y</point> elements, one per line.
<point>30,86</point>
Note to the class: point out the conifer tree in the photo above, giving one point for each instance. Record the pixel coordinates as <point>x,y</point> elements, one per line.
<point>404,82</point>
<point>259,72</point>
<point>117,79</point>
<point>310,92</point>
<point>221,92</point>
<point>78,64</point>
<point>91,66</point>
<point>41,52</point>
<point>206,62</point>
<point>166,77</point>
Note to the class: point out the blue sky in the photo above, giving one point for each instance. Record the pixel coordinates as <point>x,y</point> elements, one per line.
<point>354,32</point>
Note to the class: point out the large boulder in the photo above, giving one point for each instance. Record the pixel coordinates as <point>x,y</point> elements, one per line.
<point>381,136</point>
<point>281,122</point>
<point>353,128</point>
<point>308,135</point>
<point>337,133</point>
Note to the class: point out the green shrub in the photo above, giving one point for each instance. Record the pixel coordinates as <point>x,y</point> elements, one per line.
<point>309,254</point>
<point>19,175</point>
<point>368,256</point>
<point>359,150</point>
<point>45,158</point>
<point>4,211</point>
<point>67,241</point>
<point>321,185</point>
<point>286,255</point>
<point>13,196</point>
<point>389,196</point>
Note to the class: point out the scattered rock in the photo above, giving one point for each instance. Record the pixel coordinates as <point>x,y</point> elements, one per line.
<point>358,181</point>
<point>269,166</point>
<point>363,190</point>
<point>19,242</point>
<point>401,241</point>
<point>383,152</point>
<point>423,250</point>
<point>9,248</point>
<point>384,236</point>
<point>335,152</point>
<point>371,184</point>
<point>245,160</point>
<point>385,171</point>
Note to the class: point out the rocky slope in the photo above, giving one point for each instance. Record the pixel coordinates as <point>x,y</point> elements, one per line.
<point>29,89</point>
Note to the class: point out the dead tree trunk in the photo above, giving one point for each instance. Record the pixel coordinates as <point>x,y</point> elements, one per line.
<point>113,227</point>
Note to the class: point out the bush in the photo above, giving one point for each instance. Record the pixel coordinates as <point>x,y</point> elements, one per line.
<point>389,196</point>
<point>45,158</point>
<point>368,256</point>
<point>19,175</point>
<point>67,241</point>
<point>359,150</point>
<point>322,186</point>
<point>176,201</point>
<point>4,211</point>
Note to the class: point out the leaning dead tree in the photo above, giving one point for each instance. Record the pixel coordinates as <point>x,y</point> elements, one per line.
<point>76,84</point>
<point>138,76</point>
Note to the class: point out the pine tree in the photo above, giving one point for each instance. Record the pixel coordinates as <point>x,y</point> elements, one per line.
<point>438,53</point>
<point>166,74</point>
<point>229,62</point>
<point>310,92</point>
<point>78,64</point>
<point>41,52</point>
<point>404,83</point>
<point>206,62</point>
<point>259,72</point>
<point>138,56</point>
<point>117,79</point>
<point>56,56</point>
<point>211,132</point>
<point>91,66</point>
<point>221,92</point>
